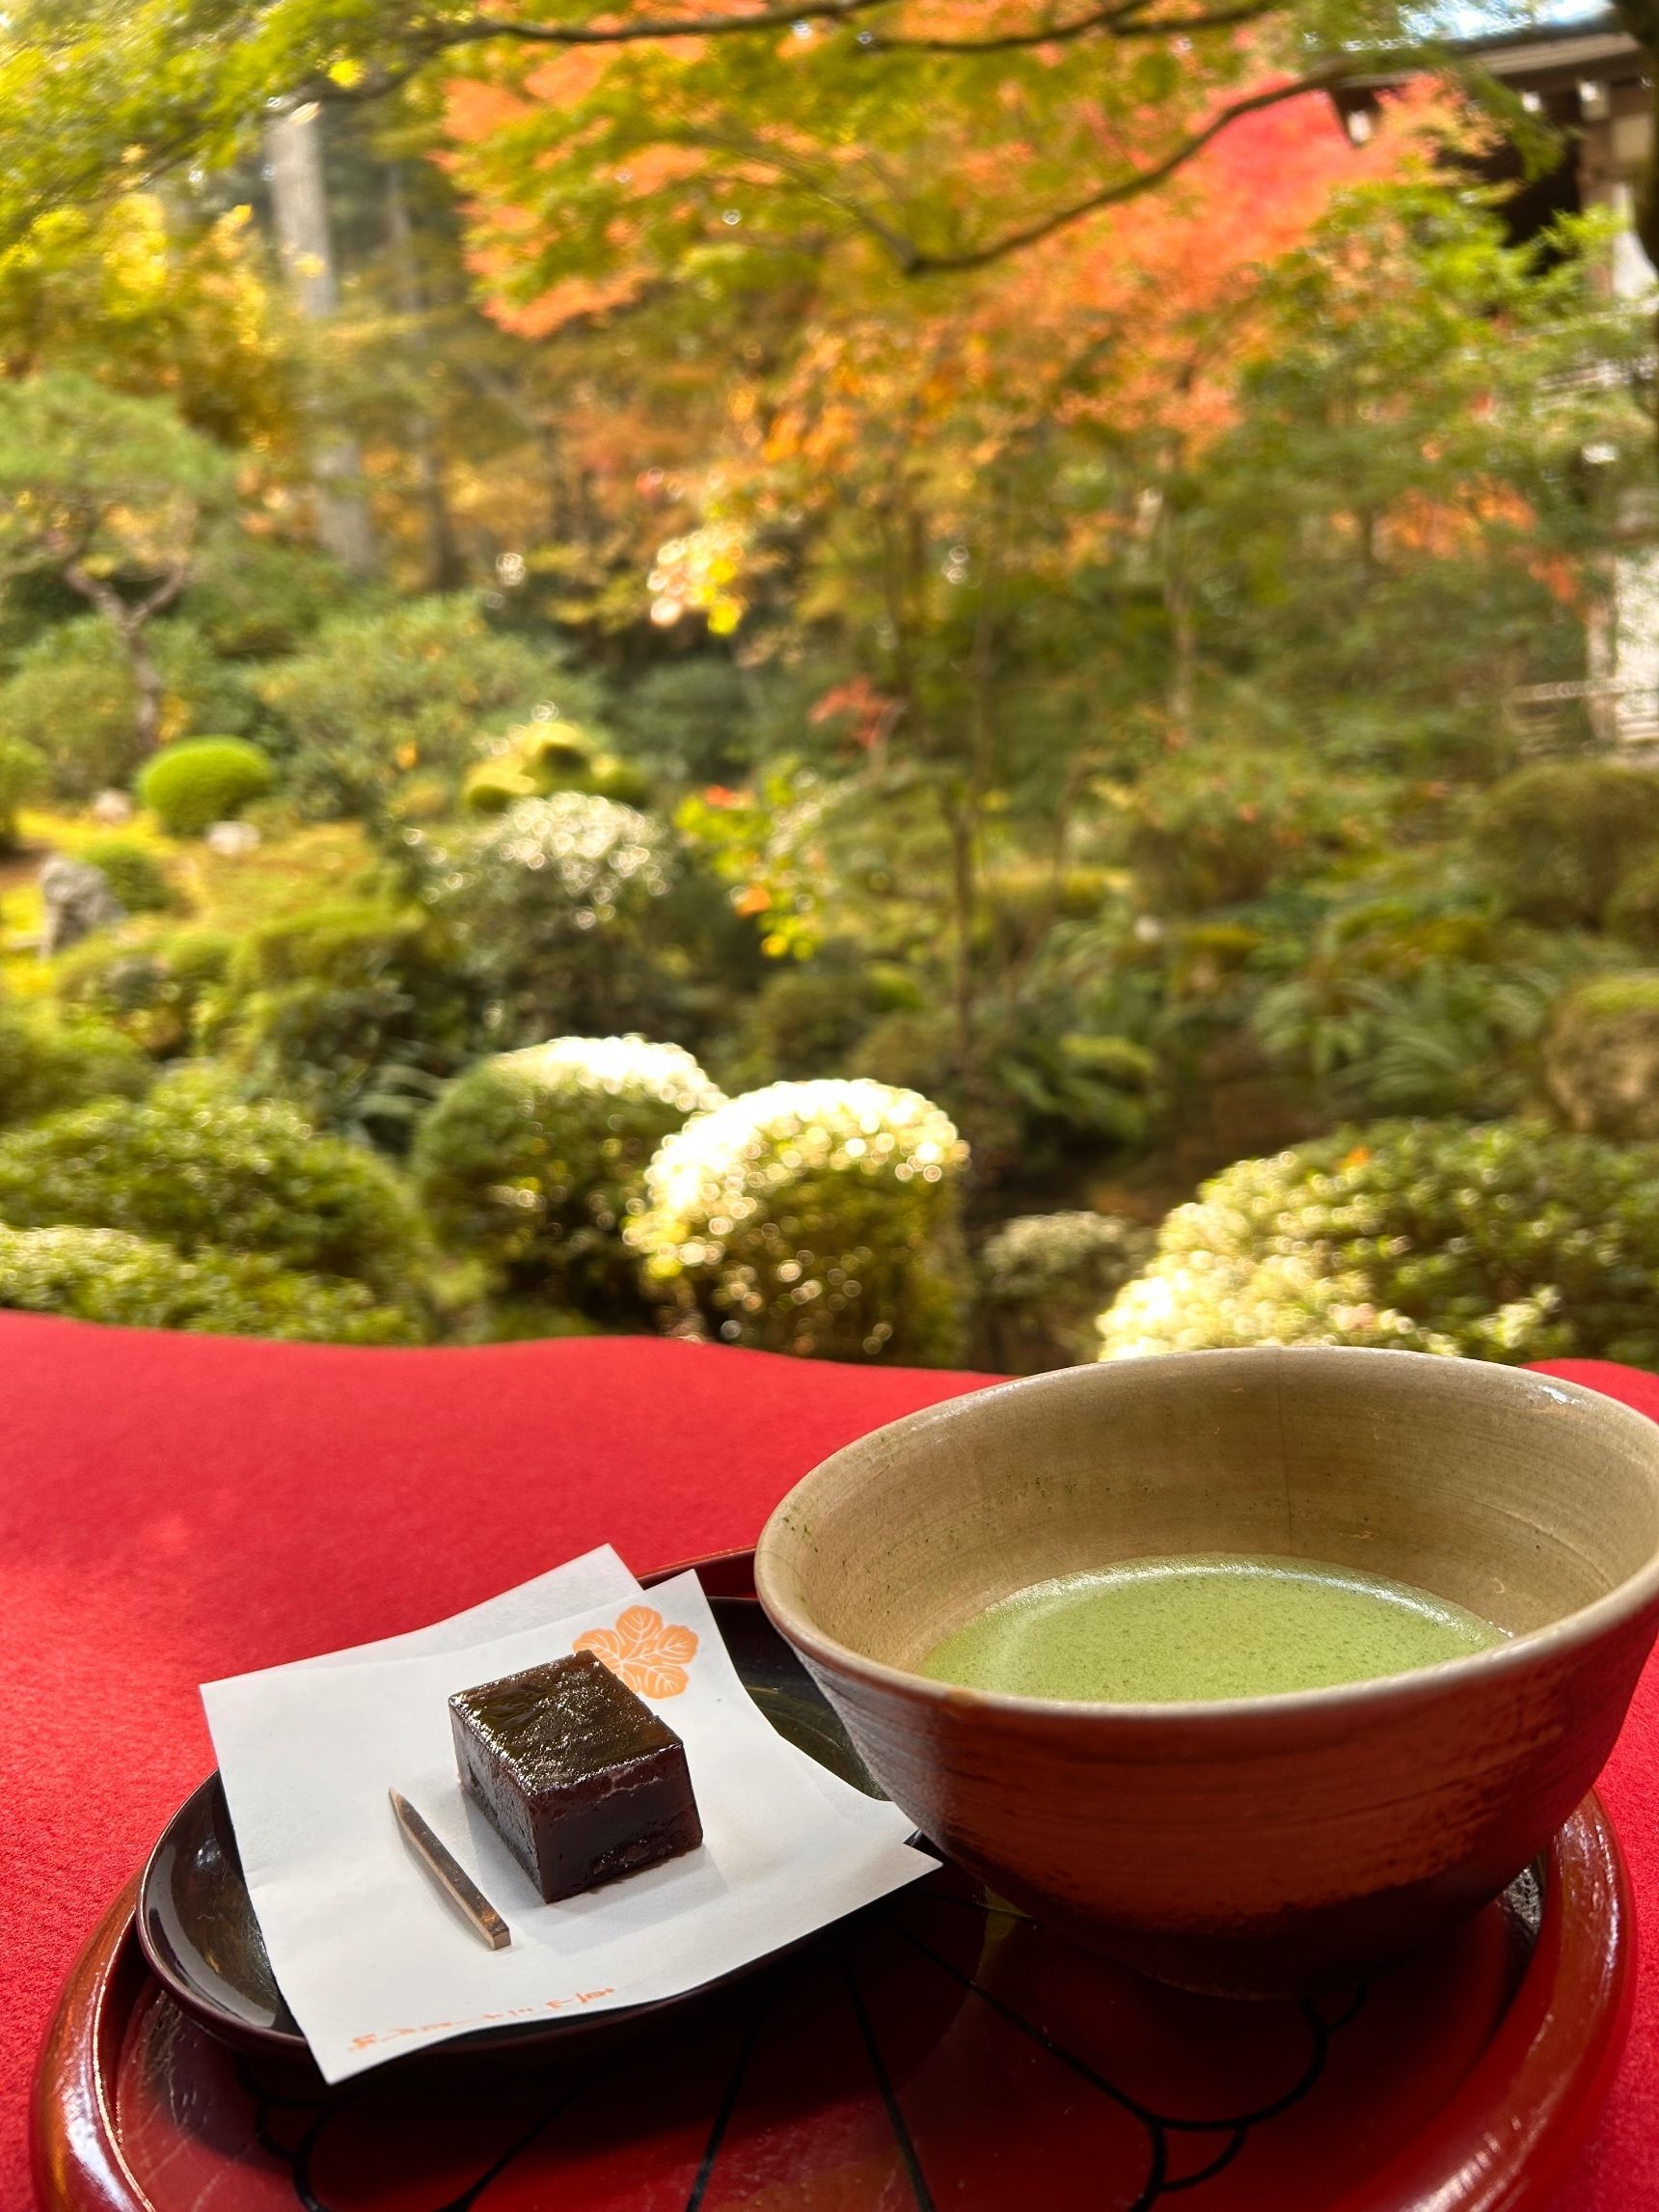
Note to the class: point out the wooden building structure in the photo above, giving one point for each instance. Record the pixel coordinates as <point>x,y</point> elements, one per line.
<point>1587,78</point>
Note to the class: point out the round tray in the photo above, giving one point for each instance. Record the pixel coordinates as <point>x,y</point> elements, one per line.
<point>939,2049</point>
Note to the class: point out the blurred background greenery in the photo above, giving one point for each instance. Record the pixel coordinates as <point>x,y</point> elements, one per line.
<point>875,685</point>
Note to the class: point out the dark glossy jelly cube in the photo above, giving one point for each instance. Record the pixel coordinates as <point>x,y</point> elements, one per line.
<point>581,1779</point>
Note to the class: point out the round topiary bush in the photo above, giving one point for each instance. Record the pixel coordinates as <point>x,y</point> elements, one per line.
<point>48,1065</point>
<point>540,757</point>
<point>548,904</point>
<point>532,1161</point>
<point>352,1008</point>
<point>817,1218</point>
<point>106,1275</point>
<point>1559,840</point>
<point>1509,1241</point>
<point>1601,1056</point>
<point>134,871</point>
<point>151,983</point>
<point>1042,1280</point>
<point>195,1166</point>
<point>201,780</point>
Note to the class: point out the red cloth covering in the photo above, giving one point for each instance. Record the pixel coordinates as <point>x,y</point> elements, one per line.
<point>177,1508</point>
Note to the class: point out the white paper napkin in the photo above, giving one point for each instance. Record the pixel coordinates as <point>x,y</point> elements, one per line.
<point>373,1963</point>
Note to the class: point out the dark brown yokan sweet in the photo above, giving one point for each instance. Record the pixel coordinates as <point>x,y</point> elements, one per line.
<point>581,1780</point>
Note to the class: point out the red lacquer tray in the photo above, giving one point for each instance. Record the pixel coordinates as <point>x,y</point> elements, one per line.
<point>938,2050</point>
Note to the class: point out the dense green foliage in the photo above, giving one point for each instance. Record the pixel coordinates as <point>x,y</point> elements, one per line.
<point>1504,1242</point>
<point>797,546</point>
<point>148,981</point>
<point>133,872</point>
<point>393,693</point>
<point>46,1065</point>
<point>105,1275</point>
<point>533,1160</point>
<point>817,1218</point>
<point>1562,839</point>
<point>1601,1056</point>
<point>1042,1280</point>
<point>355,1010</point>
<point>552,903</point>
<point>22,772</point>
<point>195,1166</point>
<point>203,780</point>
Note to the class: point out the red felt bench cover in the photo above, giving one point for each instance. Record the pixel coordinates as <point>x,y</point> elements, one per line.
<point>174,1507</point>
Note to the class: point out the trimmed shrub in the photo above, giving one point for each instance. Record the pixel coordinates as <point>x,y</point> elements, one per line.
<point>692,720</point>
<point>815,1218</point>
<point>203,780</point>
<point>807,1017</point>
<point>353,1008</point>
<point>149,983</point>
<point>1042,1280</point>
<point>134,871</point>
<point>106,1275</point>
<point>48,1065</point>
<point>541,758</point>
<point>22,776</point>
<point>72,696</point>
<point>532,1161</point>
<point>196,1166</point>
<point>410,688</point>
<point>1219,828</point>
<point>1507,1242</point>
<point>1633,911</point>
<point>1601,1056</point>
<point>1560,838</point>
<point>548,903</point>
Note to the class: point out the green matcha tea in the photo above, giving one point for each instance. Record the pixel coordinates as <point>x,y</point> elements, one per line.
<point>1147,1631</point>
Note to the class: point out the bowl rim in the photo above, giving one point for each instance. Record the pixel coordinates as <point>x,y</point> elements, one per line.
<point>1585,1624</point>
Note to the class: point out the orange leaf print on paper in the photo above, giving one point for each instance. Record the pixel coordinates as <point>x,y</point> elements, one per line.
<point>649,1653</point>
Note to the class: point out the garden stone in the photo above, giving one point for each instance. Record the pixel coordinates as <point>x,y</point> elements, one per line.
<point>233,839</point>
<point>77,900</point>
<point>113,808</point>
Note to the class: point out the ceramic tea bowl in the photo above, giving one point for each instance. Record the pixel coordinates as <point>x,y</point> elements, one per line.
<point>1256,1845</point>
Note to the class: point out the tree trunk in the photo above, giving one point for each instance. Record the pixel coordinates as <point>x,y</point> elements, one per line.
<point>444,567</point>
<point>299,202</point>
<point>147,681</point>
<point>129,619</point>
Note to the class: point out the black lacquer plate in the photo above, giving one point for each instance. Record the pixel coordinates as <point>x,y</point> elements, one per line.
<point>196,1923</point>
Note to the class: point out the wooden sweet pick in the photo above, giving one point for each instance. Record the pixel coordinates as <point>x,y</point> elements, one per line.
<point>450,1876</point>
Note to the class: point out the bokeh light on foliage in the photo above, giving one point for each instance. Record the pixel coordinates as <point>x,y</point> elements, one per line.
<point>1508,1242</point>
<point>531,1161</point>
<point>817,1218</point>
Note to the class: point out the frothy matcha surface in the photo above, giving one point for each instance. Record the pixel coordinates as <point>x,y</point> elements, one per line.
<point>1147,1631</point>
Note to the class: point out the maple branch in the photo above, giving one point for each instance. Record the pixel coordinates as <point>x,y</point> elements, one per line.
<point>1123,19</point>
<point>479,28</point>
<point>1008,42</point>
<point>1210,19</point>
<point>916,263</point>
